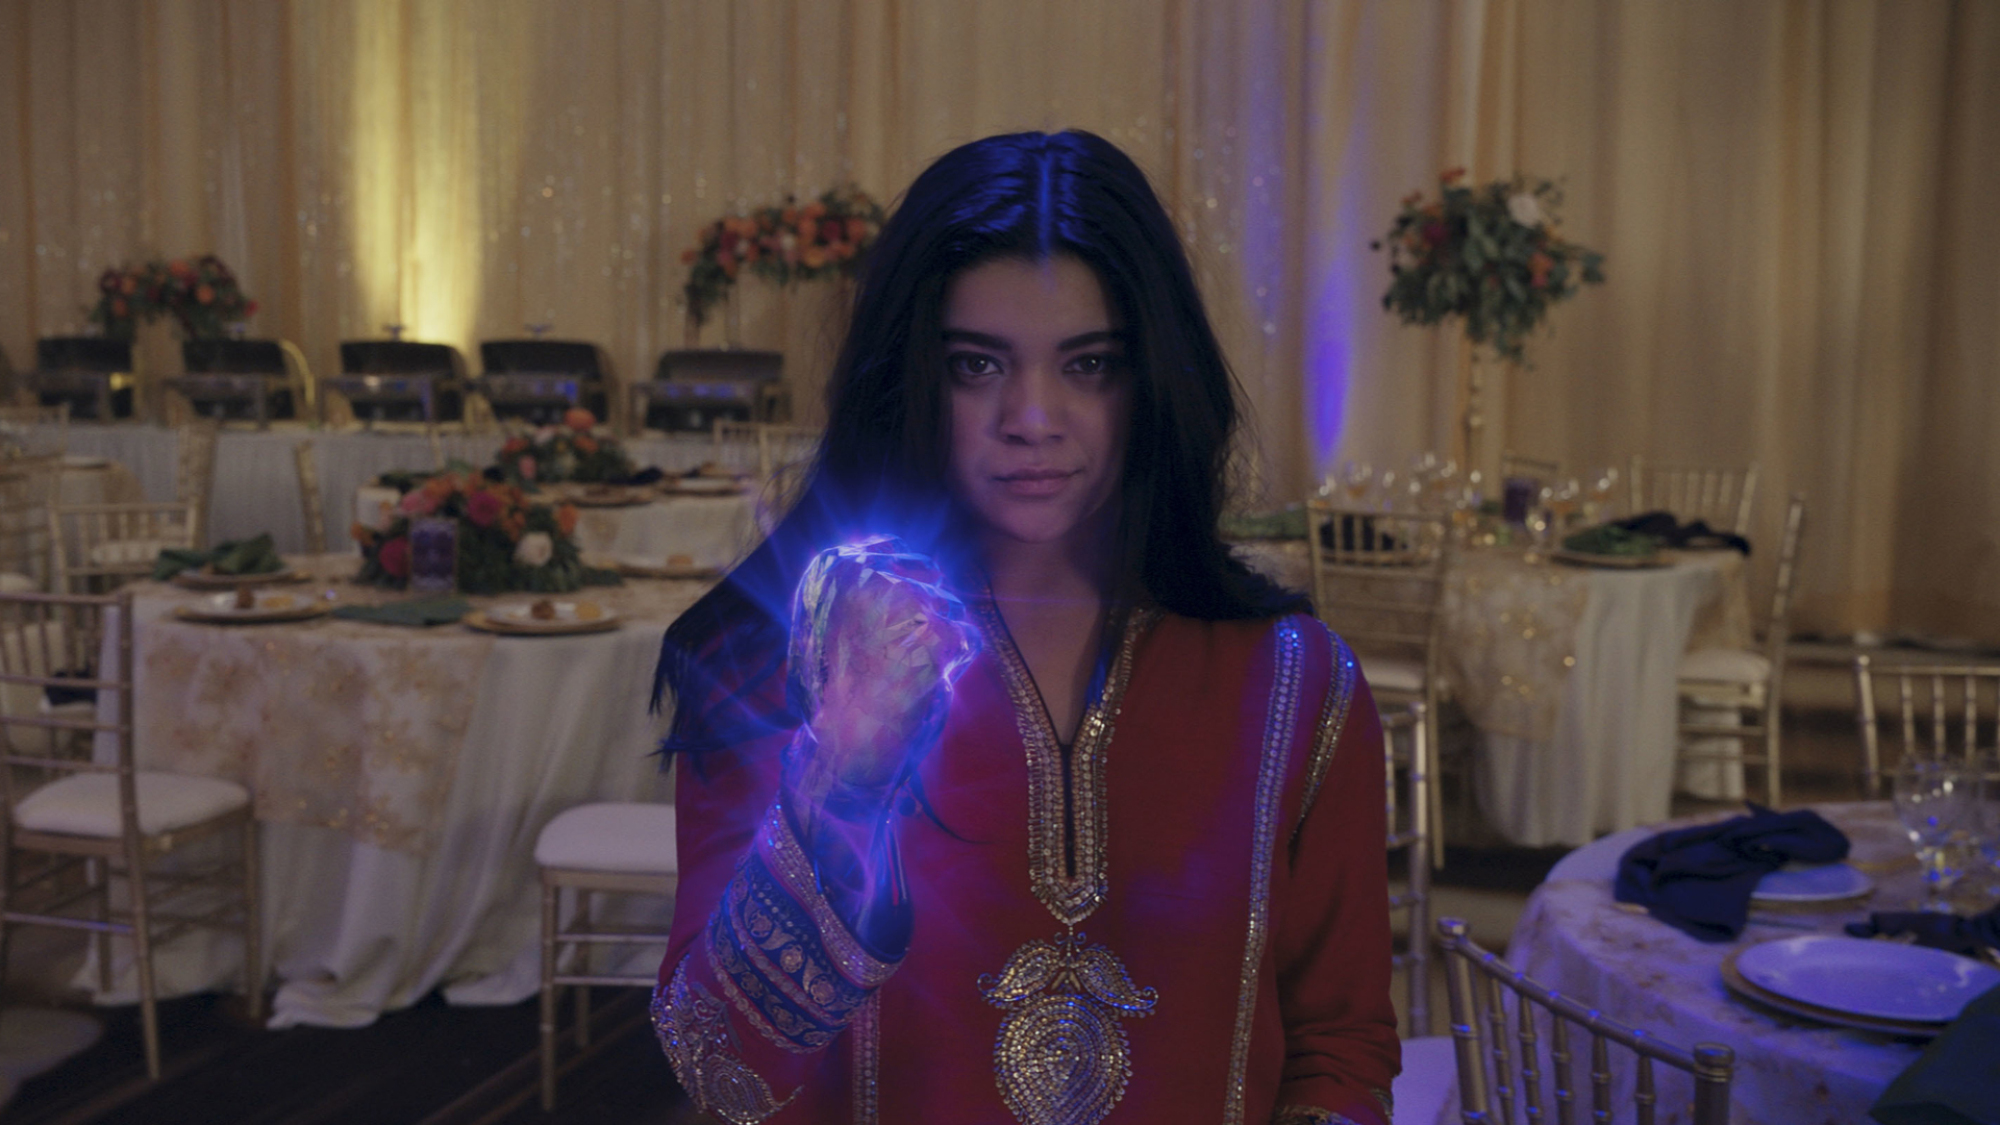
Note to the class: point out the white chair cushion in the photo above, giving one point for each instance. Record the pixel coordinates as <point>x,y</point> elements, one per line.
<point>1729,665</point>
<point>13,582</point>
<point>627,838</point>
<point>127,552</point>
<point>1393,673</point>
<point>86,804</point>
<point>1427,1089</point>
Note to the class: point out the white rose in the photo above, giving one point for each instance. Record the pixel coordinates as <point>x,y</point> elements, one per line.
<point>1525,209</point>
<point>534,549</point>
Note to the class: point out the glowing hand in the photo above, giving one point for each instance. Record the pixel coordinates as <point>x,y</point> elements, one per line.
<point>876,644</point>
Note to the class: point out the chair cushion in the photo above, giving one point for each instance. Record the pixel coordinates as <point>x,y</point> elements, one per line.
<point>14,582</point>
<point>127,552</point>
<point>86,804</point>
<point>1393,673</point>
<point>1730,665</point>
<point>629,838</point>
<point>1429,1082</point>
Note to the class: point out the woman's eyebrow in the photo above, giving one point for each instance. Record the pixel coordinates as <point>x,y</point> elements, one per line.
<point>1101,336</point>
<point>1000,344</point>
<point>980,339</point>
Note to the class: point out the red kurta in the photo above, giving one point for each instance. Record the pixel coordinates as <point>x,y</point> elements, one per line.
<point>1223,848</point>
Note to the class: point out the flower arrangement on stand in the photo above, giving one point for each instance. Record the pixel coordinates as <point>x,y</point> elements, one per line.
<point>783,243</point>
<point>577,450</point>
<point>201,295</point>
<point>1490,254</point>
<point>505,542</point>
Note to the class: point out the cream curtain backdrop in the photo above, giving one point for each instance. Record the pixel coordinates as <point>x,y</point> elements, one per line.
<point>1789,195</point>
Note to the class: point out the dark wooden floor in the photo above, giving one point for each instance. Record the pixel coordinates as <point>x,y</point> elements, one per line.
<point>427,1065</point>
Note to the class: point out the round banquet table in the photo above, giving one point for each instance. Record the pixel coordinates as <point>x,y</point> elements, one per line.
<point>400,777</point>
<point>1789,1071</point>
<point>1570,675</point>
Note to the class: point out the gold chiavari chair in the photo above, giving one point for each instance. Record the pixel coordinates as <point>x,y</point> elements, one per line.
<point>739,447</point>
<point>1407,753</point>
<point>1722,497</point>
<point>1745,682</point>
<point>1939,711</point>
<point>97,547</point>
<point>194,473</point>
<point>1514,464</point>
<point>312,507</point>
<point>1378,581</point>
<point>27,485</point>
<point>75,823</point>
<point>1496,1075</point>
<point>615,848</point>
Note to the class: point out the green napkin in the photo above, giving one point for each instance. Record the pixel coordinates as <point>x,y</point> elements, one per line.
<point>1610,539</point>
<point>238,556</point>
<point>416,612</point>
<point>1952,1082</point>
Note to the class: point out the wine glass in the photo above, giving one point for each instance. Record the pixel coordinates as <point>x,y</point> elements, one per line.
<point>1385,486</point>
<point>1603,483</point>
<point>1355,477</point>
<point>1563,500</point>
<point>1933,799</point>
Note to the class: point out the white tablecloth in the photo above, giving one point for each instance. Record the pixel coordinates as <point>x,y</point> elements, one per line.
<point>401,777</point>
<point>256,478</point>
<point>713,531</point>
<point>1570,675</point>
<point>1574,938</point>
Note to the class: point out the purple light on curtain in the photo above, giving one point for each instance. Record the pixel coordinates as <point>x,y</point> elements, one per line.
<point>1337,265</point>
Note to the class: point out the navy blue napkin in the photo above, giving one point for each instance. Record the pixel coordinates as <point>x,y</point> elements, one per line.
<point>1949,932</point>
<point>648,475</point>
<point>1695,533</point>
<point>1699,879</point>
<point>1952,1082</point>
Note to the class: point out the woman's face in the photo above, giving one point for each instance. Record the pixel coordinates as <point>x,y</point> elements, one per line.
<point>1041,398</point>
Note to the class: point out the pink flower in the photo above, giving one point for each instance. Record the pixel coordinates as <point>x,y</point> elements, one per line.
<point>394,557</point>
<point>527,469</point>
<point>482,508</point>
<point>418,502</point>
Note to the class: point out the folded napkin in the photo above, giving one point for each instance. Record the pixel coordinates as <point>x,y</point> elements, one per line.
<point>414,612</point>
<point>652,474</point>
<point>1664,527</point>
<point>238,556</point>
<point>1967,936</point>
<point>1699,879</point>
<point>1952,1082</point>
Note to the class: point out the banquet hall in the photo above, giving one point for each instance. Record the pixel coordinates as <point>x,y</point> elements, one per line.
<point>379,379</point>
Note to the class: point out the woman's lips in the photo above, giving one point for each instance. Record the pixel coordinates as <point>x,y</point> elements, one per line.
<point>1036,482</point>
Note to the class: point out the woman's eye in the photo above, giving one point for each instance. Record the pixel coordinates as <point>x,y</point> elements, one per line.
<point>1096,364</point>
<point>971,365</point>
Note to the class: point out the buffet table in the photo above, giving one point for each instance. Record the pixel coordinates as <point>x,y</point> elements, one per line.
<point>1574,938</point>
<point>1569,673</point>
<point>401,776</point>
<point>256,478</point>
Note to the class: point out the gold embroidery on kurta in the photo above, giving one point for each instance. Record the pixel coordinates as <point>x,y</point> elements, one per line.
<point>1278,721</point>
<point>1332,722</point>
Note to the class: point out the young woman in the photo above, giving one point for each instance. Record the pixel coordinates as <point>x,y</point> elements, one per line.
<point>1005,793</point>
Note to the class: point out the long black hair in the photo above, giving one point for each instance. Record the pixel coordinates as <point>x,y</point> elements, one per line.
<point>883,462</point>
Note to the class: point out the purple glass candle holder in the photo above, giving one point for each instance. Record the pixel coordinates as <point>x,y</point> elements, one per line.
<point>1517,498</point>
<point>433,555</point>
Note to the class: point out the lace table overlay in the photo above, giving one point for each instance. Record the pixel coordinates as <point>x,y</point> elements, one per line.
<point>1510,639</point>
<point>1575,939</point>
<point>337,724</point>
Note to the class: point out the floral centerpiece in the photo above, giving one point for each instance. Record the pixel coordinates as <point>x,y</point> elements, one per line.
<point>202,295</point>
<point>577,450</point>
<point>1491,254</point>
<point>783,243</point>
<point>505,542</point>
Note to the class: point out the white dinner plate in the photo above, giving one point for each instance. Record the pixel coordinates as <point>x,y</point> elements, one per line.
<point>267,606</point>
<point>1882,979</point>
<point>1817,882</point>
<point>564,615</point>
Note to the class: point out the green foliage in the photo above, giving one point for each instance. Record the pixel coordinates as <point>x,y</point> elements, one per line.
<point>1488,254</point>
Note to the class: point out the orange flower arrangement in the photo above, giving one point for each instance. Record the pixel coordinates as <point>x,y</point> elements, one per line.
<point>505,541</point>
<point>784,243</point>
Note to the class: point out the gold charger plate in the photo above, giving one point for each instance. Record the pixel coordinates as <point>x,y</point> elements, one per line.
<point>220,609</point>
<point>622,497</point>
<point>1744,987</point>
<point>513,620</point>
<point>207,580</point>
<point>1612,562</point>
<point>711,486</point>
<point>666,570</point>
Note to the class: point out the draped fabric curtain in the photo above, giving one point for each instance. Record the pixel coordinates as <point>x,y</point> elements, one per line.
<point>1788,193</point>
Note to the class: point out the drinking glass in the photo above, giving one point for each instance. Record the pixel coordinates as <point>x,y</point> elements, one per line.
<point>1933,799</point>
<point>1563,500</point>
<point>1355,477</point>
<point>1386,487</point>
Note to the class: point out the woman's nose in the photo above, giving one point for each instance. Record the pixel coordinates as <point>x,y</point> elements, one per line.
<point>1030,407</point>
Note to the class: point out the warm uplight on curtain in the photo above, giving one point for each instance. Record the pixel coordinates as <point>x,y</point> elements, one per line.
<point>1791,197</point>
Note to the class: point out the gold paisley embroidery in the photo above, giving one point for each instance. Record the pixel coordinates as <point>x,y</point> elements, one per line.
<point>1278,722</point>
<point>694,1032</point>
<point>1062,1057</point>
<point>866,1035</point>
<point>1309,1115</point>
